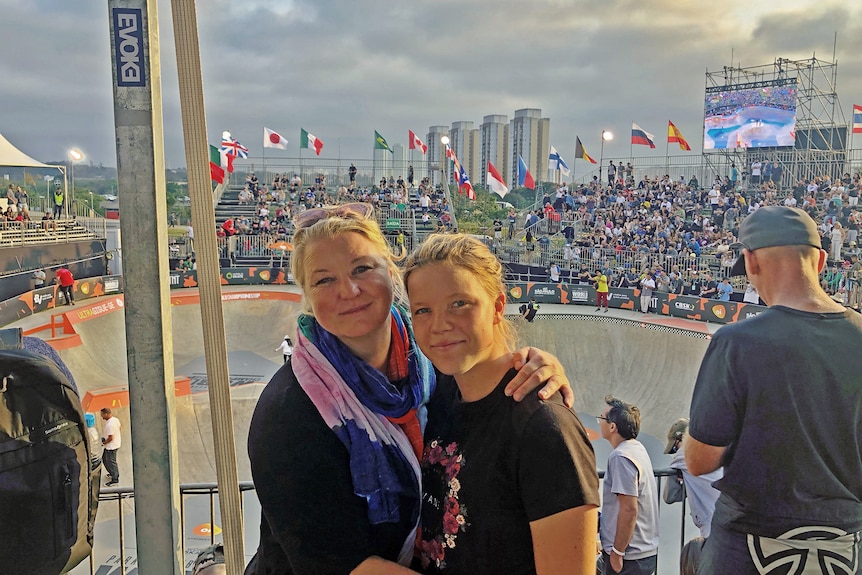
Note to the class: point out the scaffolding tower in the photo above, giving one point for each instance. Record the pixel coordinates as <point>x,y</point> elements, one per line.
<point>822,132</point>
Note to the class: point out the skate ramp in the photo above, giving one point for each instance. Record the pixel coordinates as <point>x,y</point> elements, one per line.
<point>648,364</point>
<point>256,322</point>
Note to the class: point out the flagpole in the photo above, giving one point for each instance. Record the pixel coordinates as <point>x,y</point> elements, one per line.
<point>631,145</point>
<point>265,177</point>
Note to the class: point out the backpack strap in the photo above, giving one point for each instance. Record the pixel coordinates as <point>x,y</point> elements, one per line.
<point>12,338</point>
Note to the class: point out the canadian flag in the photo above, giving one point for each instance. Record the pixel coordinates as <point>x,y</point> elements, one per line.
<point>416,143</point>
<point>272,139</point>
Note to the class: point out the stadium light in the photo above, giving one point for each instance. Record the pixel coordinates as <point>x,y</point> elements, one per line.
<point>76,155</point>
<point>606,137</point>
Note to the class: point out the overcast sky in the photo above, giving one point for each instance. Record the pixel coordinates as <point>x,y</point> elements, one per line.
<point>342,69</point>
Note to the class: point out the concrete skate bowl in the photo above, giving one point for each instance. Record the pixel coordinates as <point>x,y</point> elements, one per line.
<point>650,365</point>
<point>255,321</point>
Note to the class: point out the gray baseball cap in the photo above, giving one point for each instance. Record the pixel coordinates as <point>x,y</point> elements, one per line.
<point>774,226</point>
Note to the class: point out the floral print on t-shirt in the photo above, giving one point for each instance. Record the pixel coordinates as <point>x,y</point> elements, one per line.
<point>443,516</point>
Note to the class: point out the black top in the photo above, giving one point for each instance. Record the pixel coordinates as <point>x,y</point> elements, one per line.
<point>487,471</point>
<point>311,520</point>
<point>784,391</point>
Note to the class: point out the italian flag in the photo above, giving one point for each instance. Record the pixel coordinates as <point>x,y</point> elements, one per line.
<point>216,170</point>
<point>220,163</point>
<point>307,140</point>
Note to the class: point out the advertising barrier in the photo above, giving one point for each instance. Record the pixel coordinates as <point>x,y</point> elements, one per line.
<point>687,307</point>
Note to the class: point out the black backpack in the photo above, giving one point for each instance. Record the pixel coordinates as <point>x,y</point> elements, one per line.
<point>48,497</point>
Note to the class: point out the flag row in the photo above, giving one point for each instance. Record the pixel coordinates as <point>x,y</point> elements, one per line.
<point>307,140</point>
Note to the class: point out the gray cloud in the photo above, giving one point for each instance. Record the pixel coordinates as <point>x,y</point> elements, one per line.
<point>344,69</point>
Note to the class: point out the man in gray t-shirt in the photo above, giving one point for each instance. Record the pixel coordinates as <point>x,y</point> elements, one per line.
<point>629,520</point>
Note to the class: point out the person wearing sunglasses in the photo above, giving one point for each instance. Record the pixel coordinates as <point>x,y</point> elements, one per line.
<point>336,436</point>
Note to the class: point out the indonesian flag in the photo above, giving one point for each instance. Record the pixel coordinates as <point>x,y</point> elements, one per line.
<point>495,181</point>
<point>415,142</point>
<point>307,140</point>
<point>272,139</point>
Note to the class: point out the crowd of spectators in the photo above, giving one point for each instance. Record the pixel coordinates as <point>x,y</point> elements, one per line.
<point>680,228</point>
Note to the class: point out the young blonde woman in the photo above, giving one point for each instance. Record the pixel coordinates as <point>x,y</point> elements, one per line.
<point>336,436</point>
<point>488,461</point>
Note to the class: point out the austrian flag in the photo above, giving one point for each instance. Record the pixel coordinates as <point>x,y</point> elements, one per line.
<point>416,143</point>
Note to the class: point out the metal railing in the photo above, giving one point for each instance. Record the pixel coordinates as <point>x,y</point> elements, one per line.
<point>127,494</point>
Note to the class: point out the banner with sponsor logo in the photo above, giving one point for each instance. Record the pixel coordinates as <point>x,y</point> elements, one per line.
<point>688,307</point>
<point>45,298</point>
<point>234,276</point>
<point>700,309</point>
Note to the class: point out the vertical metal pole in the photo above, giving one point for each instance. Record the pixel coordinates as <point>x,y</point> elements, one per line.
<point>209,277</point>
<point>149,342</point>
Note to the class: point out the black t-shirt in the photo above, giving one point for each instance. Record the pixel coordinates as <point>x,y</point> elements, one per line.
<point>784,391</point>
<point>486,473</point>
<point>311,521</point>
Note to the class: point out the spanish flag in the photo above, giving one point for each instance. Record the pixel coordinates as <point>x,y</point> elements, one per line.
<point>674,136</point>
<point>581,153</point>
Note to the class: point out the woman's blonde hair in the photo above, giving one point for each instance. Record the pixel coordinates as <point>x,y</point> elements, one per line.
<point>468,253</point>
<point>332,227</point>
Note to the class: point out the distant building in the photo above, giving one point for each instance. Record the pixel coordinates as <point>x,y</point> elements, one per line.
<point>464,140</point>
<point>530,137</point>
<point>495,146</point>
<point>436,151</point>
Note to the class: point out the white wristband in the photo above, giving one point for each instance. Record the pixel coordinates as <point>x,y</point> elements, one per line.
<point>618,552</point>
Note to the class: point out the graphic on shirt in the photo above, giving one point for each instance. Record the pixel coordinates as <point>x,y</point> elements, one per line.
<point>443,516</point>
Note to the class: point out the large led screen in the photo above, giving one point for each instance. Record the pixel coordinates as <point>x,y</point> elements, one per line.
<point>755,115</point>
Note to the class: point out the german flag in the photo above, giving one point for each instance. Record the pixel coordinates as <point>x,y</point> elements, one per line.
<point>581,153</point>
<point>674,136</point>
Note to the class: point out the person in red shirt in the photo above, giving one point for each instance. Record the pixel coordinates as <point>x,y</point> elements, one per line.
<point>67,282</point>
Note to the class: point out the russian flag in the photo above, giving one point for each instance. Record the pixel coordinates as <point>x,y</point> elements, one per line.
<point>857,119</point>
<point>525,178</point>
<point>642,137</point>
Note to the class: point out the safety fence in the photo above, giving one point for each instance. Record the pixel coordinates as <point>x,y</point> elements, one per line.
<point>115,554</point>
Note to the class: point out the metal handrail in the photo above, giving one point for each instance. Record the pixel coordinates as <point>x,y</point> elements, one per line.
<point>119,494</point>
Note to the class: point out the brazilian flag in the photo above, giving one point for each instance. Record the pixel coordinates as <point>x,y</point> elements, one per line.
<point>380,143</point>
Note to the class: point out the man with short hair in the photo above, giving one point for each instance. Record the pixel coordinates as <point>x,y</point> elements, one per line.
<point>629,523</point>
<point>111,442</point>
<point>777,403</point>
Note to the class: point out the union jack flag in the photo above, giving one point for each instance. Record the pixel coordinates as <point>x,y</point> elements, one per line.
<point>232,147</point>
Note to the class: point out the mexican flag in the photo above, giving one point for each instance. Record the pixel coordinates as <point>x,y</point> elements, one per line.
<point>307,140</point>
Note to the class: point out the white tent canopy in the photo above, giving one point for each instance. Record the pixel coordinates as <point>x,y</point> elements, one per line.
<point>12,156</point>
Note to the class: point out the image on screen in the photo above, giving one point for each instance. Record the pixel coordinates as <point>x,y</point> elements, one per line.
<point>753,116</point>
